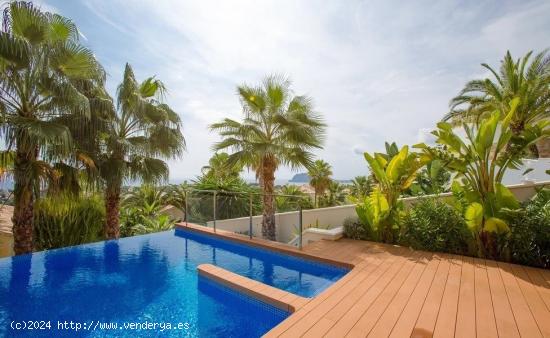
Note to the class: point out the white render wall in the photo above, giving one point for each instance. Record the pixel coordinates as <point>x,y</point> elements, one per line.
<point>330,218</point>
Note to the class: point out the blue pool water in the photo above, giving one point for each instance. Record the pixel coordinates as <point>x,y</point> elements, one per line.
<point>150,282</point>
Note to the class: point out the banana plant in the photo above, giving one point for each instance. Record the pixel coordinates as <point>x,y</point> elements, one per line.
<point>480,161</point>
<point>381,209</point>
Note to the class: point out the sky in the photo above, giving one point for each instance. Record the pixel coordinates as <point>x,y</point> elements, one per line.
<point>376,70</point>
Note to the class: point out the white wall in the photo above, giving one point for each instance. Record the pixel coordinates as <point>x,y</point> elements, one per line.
<point>287,222</point>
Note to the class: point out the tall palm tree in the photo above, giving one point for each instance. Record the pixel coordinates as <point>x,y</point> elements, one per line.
<point>144,132</point>
<point>278,128</point>
<point>527,80</point>
<point>319,178</point>
<point>41,67</point>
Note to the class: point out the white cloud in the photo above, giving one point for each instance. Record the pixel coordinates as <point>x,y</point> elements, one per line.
<point>378,70</point>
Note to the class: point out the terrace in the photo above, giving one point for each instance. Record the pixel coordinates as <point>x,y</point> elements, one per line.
<point>394,291</point>
<point>115,224</point>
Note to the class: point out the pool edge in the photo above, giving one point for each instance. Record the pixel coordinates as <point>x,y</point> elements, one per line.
<point>278,298</point>
<point>261,243</point>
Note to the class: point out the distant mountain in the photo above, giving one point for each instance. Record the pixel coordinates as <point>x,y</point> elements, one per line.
<point>300,178</point>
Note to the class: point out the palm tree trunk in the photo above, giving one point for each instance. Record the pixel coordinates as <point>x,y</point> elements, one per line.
<point>315,199</point>
<point>112,209</point>
<point>268,182</point>
<point>23,212</point>
<point>543,147</point>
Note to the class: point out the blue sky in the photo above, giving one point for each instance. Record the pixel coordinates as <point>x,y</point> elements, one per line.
<point>377,70</point>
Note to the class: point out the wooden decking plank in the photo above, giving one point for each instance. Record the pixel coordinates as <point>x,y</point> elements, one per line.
<point>368,320</point>
<point>345,304</point>
<point>322,326</point>
<point>405,323</point>
<point>542,287</point>
<point>466,312</point>
<point>525,321</point>
<point>303,312</point>
<point>387,320</point>
<point>506,323</point>
<point>446,320</point>
<point>328,305</point>
<point>304,317</point>
<point>343,253</point>
<point>346,323</point>
<point>425,323</point>
<point>485,317</point>
<point>537,306</point>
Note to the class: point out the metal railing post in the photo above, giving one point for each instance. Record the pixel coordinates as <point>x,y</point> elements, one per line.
<point>214,204</point>
<point>300,227</point>
<point>250,222</point>
<point>186,208</point>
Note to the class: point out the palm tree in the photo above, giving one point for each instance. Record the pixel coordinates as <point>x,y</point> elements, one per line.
<point>361,186</point>
<point>219,167</point>
<point>144,132</point>
<point>293,199</point>
<point>319,178</point>
<point>145,195</point>
<point>530,82</point>
<point>42,66</point>
<point>336,195</point>
<point>177,196</point>
<point>278,129</point>
<point>141,211</point>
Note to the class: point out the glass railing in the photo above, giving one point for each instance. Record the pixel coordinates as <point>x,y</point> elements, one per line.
<point>242,213</point>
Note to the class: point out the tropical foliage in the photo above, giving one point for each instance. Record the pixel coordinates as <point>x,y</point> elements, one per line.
<point>320,178</point>
<point>43,73</point>
<point>144,132</point>
<point>278,128</point>
<point>220,168</point>
<point>64,220</point>
<point>526,79</point>
<point>361,186</point>
<point>431,180</point>
<point>141,211</point>
<point>381,209</point>
<point>233,199</point>
<point>529,239</point>
<point>70,149</point>
<point>291,198</point>
<point>480,162</point>
<point>436,226</point>
<point>337,195</point>
<point>355,229</point>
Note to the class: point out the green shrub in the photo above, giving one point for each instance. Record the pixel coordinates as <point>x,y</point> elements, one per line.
<point>529,238</point>
<point>143,220</point>
<point>355,230</point>
<point>67,220</point>
<point>435,226</point>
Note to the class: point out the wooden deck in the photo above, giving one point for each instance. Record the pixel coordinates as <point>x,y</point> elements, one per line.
<point>398,292</point>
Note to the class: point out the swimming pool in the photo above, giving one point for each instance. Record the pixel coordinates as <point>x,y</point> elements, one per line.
<point>148,281</point>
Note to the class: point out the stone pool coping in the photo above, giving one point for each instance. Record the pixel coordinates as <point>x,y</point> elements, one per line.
<point>268,294</point>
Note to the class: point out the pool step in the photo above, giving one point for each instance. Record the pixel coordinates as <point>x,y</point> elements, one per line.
<point>279,298</point>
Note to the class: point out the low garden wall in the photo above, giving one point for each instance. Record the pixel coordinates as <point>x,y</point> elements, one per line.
<point>333,217</point>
